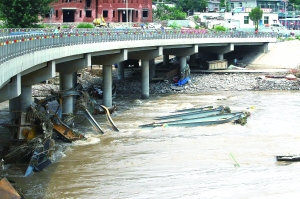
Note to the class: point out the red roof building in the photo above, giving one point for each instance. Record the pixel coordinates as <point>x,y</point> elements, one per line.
<point>77,11</point>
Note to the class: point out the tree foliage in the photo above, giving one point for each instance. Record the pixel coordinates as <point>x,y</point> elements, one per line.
<point>295,3</point>
<point>222,4</point>
<point>23,13</point>
<point>255,15</point>
<point>192,5</point>
<point>164,12</point>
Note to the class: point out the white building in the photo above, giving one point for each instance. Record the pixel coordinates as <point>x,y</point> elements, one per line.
<point>238,19</point>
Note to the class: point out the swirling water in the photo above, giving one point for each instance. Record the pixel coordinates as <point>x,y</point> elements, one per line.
<point>177,162</point>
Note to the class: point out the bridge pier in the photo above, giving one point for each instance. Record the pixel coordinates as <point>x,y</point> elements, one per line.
<point>66,83</point>
<point>182,53</point>
<point>68,79</point>
<point>145,56</point>
<point>107,61</point>
<point>121,70</point>
<point>13,107</point>
<point>107,85</point>
<point>145,79</point>
<point>165,60</point>
<point>182,62</point>
<point>220,56</point>
<point>151,68</point>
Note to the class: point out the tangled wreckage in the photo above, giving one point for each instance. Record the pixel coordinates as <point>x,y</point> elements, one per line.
<point>34,132</point>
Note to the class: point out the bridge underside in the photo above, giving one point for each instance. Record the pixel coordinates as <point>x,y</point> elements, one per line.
<point>42,65</point>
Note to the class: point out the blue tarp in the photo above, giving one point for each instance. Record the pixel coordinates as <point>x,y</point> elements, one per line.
<point>184,81</point>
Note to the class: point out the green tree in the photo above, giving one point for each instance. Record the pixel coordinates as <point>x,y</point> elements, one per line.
<point>228,7</point>
<point>255,15</point>
<point>192,5</point>
<point>164,12</point>
<point>222,4</point>
<point>295,4</point>
<point>23,13</point>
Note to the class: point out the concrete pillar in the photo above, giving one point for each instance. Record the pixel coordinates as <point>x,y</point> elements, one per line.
<point>74,79</point>
<point>66,83</point>
<point>121,70</point>
<point>145,79</point>
<point>182,62</point>
<point>13,107</point>
<point>165,60</point>
<point>107,85</point>
<point>25,99</point>
<point>151,68</point>
<point>220,56</point>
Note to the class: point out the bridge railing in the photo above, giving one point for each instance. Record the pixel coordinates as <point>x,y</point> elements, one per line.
<point>14,46</point>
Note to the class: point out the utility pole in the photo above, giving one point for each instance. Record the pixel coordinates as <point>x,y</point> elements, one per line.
<point>127,13</point>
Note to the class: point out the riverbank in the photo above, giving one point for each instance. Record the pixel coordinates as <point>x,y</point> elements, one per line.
<point>280,61</point>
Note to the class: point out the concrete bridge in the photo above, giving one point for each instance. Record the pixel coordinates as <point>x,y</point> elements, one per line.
<point>28,59</point>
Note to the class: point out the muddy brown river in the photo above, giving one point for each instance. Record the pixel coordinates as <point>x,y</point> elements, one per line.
<point>177,162</point>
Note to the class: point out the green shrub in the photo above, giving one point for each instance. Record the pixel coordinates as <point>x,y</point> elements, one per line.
<point>220,28</point>
<point>174,25</point>
<point>290,38</point>
<point>85,25</point>
<point>65,26</point>
<point>196,18</point>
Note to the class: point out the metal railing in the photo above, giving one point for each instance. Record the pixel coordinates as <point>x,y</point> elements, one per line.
<point>14,46</point>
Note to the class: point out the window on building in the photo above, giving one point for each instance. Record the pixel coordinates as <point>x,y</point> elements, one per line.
<point>56,13</point>
<point>232,5</point>
<point>114,13</point>
<point>131,1</point>
<point>88,3</point>
<point>145,13</point>
<point>240,4</point>
<point>266,20</point>
<point>137,14</point>
<point>246,19</point>
<point>88,13</point>
<point>105,13</point>
<point>80,1</point>
<point>80,13</point>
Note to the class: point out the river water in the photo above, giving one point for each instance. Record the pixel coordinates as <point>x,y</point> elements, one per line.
<point>177,162</point>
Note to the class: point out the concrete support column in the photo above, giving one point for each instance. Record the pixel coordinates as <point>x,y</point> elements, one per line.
<point>107,85</point>
<point>66,83</point>
<point>182,62</point>
<point>13,107</point>
<point>220,56</point>
<point>25,99</point>
<point>145,79</point>
<point>74,79</point>
<point>121,70</point>
<point>165,60</point>
<point>151,68</point>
